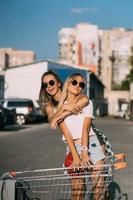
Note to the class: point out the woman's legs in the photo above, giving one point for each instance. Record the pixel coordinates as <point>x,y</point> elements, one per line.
<point>97,157</point>
<point>98,181</point>
<point>78,188</point>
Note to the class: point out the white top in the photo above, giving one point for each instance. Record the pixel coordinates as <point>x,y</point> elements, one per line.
<point>74,123</point>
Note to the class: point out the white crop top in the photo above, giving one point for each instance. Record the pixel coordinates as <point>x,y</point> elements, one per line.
<point>74,123</point>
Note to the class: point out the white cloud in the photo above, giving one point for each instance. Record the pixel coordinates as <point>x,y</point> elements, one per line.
<point>83,10</point>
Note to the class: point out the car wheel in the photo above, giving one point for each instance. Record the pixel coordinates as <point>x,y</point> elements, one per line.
<point>2,123</point>
<point>21,119</point>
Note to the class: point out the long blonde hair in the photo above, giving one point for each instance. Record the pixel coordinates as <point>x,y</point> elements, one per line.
<point>65,87</point>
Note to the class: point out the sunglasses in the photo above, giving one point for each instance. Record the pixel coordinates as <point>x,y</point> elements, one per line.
<point>81,84</point>
<point>45,85</point>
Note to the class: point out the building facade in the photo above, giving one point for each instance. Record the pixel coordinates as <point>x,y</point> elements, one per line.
<point>10,57</point>
<point>114,62</point>
<point>104,52</point>
<point>79,46</point>
<point>115,51</point>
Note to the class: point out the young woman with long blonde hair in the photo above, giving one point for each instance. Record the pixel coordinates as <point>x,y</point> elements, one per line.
<point>78,132</point>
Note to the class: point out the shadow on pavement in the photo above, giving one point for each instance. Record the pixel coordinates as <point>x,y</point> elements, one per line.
<point>116,193</point>
<point>41,120</point>
<point>13,128</point>
<point>22,127</point>
<point>16,127</point>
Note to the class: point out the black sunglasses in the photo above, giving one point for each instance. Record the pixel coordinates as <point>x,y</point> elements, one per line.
<point>81,84</point>
<point>45,85</point>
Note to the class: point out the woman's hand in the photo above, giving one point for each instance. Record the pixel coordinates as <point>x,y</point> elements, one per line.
<point>76,164</point>
<point>75,109</point>
<point>53,124</point>
<point>85,159</point>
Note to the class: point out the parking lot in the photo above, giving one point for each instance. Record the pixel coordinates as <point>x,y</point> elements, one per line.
<point>36,146</point>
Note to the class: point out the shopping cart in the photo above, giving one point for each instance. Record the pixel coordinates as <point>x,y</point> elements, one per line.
<point>57,184</point>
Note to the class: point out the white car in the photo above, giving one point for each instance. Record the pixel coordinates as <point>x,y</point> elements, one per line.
<point>26,109</point>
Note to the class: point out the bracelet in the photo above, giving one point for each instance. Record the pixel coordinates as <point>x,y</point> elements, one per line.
<point>60,120</point>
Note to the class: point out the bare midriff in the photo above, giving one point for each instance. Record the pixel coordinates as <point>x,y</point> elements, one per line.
<point>79,140</point>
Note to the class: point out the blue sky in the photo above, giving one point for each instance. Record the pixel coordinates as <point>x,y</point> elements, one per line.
<point>34,24</point>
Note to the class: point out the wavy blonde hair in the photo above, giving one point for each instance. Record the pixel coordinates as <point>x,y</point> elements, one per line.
<point>65,87</point>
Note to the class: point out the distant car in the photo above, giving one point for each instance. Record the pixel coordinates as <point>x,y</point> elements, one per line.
<point>26,111</point>
<point>7,117</point>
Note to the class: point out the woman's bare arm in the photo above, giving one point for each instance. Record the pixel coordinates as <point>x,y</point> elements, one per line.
<point>49,111</point>
<point>85,140</point>
<point>69,139</point>
<point>82,101</point>
<point>68,109</point>
<point>67,135</point>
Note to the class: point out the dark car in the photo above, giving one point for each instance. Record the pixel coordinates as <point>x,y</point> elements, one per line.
<point>27,110</point>
<point>1,117</point>
<point>7,117</point>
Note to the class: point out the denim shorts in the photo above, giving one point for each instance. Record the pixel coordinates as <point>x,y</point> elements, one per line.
<point>95,150</point>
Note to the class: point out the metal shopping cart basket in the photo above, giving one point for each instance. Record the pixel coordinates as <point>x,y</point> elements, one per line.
<point>62,183</point>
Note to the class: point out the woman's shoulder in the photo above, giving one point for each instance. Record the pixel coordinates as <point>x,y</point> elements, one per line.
<point>83,96</point>
<point>89,105</point>
<point>88,110</point>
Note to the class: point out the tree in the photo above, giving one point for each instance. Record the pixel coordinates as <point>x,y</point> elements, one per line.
<point>129,78</point>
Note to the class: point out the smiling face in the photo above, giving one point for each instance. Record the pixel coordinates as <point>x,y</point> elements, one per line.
<point>76,85</point>
<point>51,85</point>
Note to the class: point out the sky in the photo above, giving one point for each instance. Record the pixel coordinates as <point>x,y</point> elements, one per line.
<point>34,24</point>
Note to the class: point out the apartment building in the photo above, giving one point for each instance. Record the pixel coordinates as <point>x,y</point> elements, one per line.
<point>104,52</point>
<point>12,57</point>
<point>79,46</point>
<point>115,50</point>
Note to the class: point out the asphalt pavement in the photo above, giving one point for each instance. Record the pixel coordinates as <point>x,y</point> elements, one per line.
<point>36,146</point>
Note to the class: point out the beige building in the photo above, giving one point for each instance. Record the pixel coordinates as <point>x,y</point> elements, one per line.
<point>118,102</point>
<point>79,46</point>
<point>104,52</point>
<point>12,57</point>
<point>115,50</point>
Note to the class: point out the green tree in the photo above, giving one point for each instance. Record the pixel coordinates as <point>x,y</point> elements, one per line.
<point>129,78</point>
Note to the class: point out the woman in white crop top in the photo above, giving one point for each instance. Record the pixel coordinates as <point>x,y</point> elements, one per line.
<point>77,132</point>
<point>75,122</point>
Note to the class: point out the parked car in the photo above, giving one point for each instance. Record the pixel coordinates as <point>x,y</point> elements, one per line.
<point>1,117</point>
<point>7,117</point>
<point>26,110</point>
